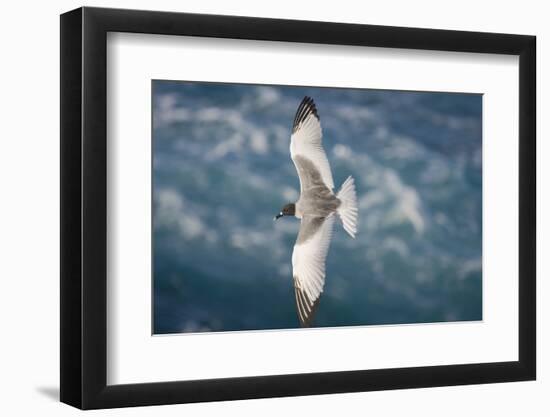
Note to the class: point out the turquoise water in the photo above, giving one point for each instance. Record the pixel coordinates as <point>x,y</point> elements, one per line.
<point>222,170</point>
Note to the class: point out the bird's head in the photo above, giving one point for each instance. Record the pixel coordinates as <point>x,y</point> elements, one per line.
<point>287,210</point>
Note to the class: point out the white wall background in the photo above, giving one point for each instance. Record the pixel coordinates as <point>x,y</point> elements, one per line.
<point>29,208</point>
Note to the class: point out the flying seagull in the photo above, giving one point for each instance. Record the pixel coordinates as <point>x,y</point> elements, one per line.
<point>317,208</point>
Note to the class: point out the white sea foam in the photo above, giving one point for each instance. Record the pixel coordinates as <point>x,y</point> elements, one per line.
<point>470,266</point>
<point>258,142</point>
<point>355,114</point>
<point>401,203</point>
<point>266,96</point>
<point>407,205</point>
<point>396,245</point>
<point>232,144</point>
<point>168,112</point>
<point>402,148</point>
<point>290,194</point>
<point>437,171</point>
<point>171,211</point>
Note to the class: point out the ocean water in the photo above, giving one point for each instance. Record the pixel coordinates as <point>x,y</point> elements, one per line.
<point>222,170</point>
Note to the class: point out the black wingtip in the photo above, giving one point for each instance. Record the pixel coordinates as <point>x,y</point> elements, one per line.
<point>306,107</point>
<point>305,308</point>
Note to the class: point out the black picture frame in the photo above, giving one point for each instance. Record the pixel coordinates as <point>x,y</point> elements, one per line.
<point>84,207</point>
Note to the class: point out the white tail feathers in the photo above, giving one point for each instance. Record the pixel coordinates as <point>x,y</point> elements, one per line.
<point>348,206</point>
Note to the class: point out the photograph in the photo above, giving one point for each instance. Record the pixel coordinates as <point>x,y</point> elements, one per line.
<point>259,206</point>
<point>284,207</point>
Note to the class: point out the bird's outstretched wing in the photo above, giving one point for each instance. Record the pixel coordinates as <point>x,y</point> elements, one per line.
<point>306,147</point>
<point>308,264</point>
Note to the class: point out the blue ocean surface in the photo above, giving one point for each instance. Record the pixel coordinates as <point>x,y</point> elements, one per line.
<point>222,170</point>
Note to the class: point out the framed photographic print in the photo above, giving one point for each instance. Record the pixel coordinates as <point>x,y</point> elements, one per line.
<point>257,207</point>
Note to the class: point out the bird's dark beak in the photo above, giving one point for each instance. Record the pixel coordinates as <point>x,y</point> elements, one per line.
<point>278,216</point>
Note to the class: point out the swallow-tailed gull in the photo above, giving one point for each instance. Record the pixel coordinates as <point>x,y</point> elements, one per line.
<point>317,208</point>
